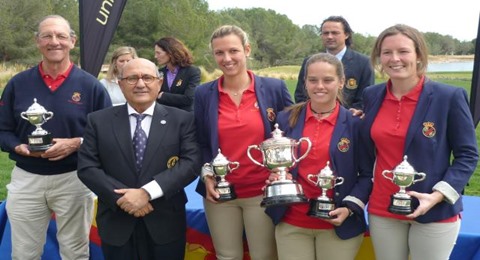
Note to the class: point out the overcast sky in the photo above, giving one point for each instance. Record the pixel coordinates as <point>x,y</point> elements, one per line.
<point>458,18</point>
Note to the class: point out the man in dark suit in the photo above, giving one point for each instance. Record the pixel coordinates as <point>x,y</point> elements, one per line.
<point>359,74</point>
<point>141,201</point>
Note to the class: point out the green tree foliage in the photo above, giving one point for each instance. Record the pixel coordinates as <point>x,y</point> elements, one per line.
<point>274,38</point>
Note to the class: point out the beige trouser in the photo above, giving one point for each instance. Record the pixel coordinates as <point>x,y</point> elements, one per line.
<point>394,239</point>
<point>227,222</point>
<point>296,243</point>
<point>32,198</point>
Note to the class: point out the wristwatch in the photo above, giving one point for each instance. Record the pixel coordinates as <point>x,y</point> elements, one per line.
<point>350,212</point>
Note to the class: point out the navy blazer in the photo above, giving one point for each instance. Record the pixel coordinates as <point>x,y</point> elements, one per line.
<point>106,162</point>
<point>445,109</point>
<point>272,97</point>
<point>345,162</point>
<point>359,74</point>
<point>182,92</point>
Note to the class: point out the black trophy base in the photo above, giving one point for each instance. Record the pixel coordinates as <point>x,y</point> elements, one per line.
<point>38,143</point>
<point>400,206</point>
<point>321,208</point>
<point>226,193</point>
<point>282,200</point>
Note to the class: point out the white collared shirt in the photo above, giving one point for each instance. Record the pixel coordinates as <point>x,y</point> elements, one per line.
<point>153,188</point>
<point>340,54</point>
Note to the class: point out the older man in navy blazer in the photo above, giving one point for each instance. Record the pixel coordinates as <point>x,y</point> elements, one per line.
<point>141,210</point>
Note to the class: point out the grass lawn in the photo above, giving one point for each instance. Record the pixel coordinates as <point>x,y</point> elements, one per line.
<point>461,79</point>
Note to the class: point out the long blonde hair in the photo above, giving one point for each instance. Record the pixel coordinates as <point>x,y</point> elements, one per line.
<point>113,71</point>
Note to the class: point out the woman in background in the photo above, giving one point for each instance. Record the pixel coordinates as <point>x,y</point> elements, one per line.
<point>120,57</point>
<point>180,77</point>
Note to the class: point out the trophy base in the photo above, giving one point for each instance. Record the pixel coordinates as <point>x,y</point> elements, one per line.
<point>400,206</point>
<point>283,193</point>
<point>39,142</point>
<point>283,200</point>
<point>226,193</point>
<point>321,208</point>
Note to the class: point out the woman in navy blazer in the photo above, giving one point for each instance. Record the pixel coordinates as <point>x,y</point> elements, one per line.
<point>180,77</point>
<point>431,124</point>
<point>334,132</point>
<point>231,113</point>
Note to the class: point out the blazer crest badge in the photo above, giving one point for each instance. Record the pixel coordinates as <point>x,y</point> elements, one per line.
<point>428,129</point>
<point>343,145</point>
<point>352,83</point>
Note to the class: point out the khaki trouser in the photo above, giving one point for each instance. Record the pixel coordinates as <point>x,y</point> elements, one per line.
<point>227,222</point>
<point>296,243</point>
<point>32,199</point>
<point>394,239</point>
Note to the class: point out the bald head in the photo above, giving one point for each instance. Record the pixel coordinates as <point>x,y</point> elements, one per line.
<point>140,83</point>
<point>140,62</point>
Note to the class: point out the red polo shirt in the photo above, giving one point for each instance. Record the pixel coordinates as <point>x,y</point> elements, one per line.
<point>319,131</point>
<point>238,128</point>
<point>389,131</point>
<point>54,83</point>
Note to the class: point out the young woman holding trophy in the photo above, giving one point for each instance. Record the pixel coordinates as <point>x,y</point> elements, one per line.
<point>232,112</point>
<point>331,226</point>
<point>421,137</point>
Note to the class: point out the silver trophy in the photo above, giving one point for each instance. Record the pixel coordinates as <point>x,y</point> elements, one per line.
<point>325,180</point>
<point>403,176</point>
<point>37,115</point>
<point>220,167</point>
<point>279,154</point>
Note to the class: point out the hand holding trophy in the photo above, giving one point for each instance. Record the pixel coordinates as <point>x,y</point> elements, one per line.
<point>220,167</point>
<point>37,115</point>
<point>279,154</point>
<point>321,206</point>
<point>404,176</point>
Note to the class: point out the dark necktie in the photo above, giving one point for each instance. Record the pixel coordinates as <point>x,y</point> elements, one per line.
<point>139,141</point>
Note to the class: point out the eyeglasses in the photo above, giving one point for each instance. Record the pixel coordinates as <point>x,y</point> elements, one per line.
<point>132,80</point>
<point>50,37</point>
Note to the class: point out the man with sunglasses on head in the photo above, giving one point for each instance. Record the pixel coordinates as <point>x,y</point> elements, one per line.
<point>337,38</point>
<point>138,158</point>
<point>45,181</point>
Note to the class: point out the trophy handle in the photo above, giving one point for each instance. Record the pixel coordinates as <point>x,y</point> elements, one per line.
<point>47,116</point>
<point>384,174</point>
<point>309,178</point>
<point>309,146</point>
<point>23,115</point>
<point>250,156</point>
<point>422,177</point>
<point>339,181</point>
<point>236,165</point>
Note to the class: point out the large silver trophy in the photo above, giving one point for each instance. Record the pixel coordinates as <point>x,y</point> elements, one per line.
<point>37,115</point>
<point>220,167</point>
<point>279,154</point>
<point>403,176</point>
<point>325,180</point>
